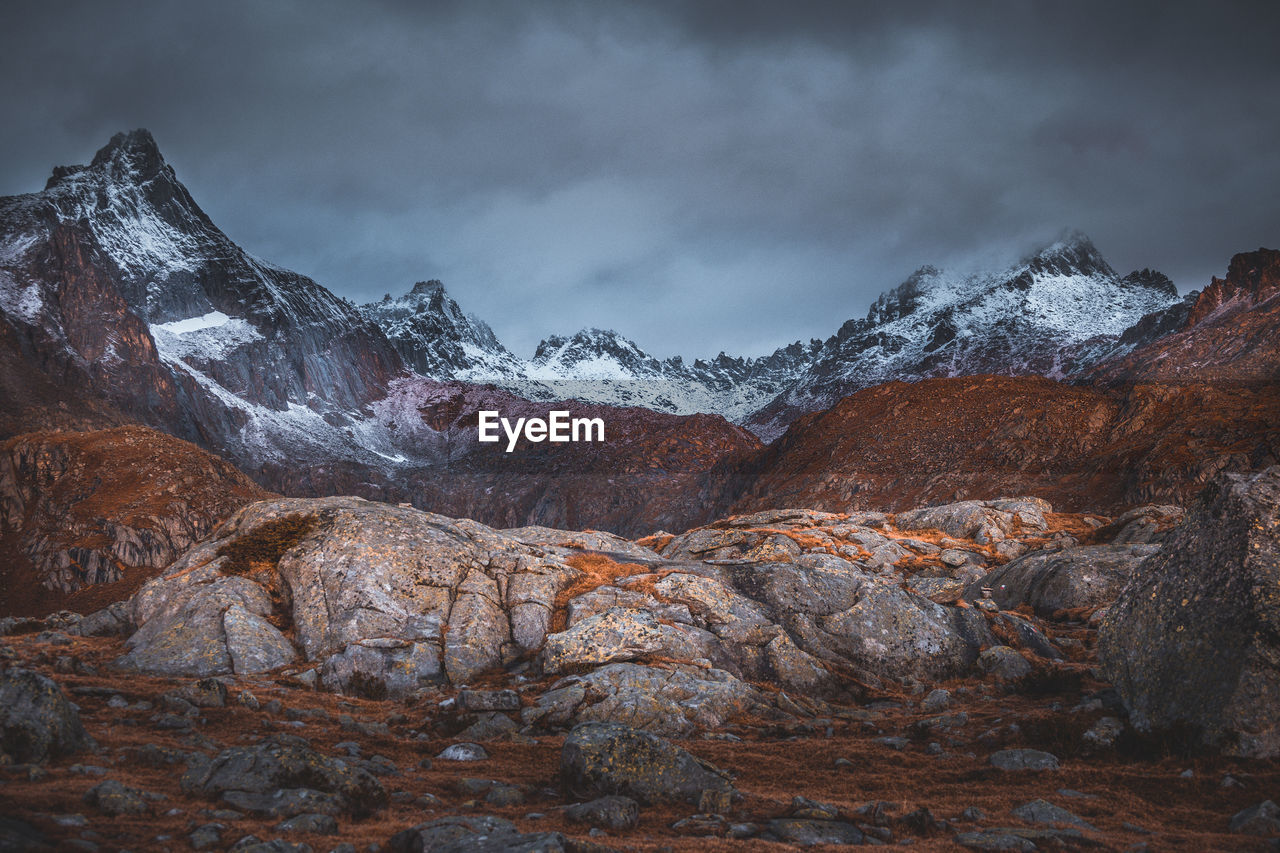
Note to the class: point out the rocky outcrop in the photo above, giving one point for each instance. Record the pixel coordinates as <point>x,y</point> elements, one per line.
<point>382,600</point>
<point>1052,581</point>
<point>80,509</point>
<point>1192,639</point>
<point>265,777</point>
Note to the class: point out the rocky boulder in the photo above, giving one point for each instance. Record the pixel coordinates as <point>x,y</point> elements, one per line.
<point>985,522</point>
<point>1049,581</point>
<point>670,700</point>
<point>1194,638</point>
<point>478,834</point>
<point>36,720</point>
<point>384,599</point>
<point>283,770</point>
<point>599,759</point>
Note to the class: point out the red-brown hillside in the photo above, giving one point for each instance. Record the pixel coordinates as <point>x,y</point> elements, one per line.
<point>901,445</point>
<point>1231,335</point>
<point>87,517</point>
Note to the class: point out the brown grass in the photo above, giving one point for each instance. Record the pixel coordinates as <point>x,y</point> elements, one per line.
<point>1183,815</point>
<point>597,571</point>
<point>262,549</point>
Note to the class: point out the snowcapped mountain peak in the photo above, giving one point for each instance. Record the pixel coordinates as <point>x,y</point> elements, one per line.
<point>1072,253</point>
<point>589,344</point>
<point>131,157</point>
<point>1057,310</point>
<point>436,338</point>
<point>134,152</point>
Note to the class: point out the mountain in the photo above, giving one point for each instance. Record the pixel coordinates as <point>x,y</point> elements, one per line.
<point>1053,314</point>
<point>1056,313</point>
<point>1080,447</point>
<point>121,302</point>
<point>1191,392</point>
<point>438,341</point>
<point>113,280</point>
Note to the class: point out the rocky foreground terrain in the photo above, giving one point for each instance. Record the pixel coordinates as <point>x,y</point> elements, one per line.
<point>340,674</point>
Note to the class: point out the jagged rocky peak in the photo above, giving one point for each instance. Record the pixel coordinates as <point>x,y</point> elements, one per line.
<point>131,155</point>
<point>428,288</point>
<point>436,338</point>
<point>903,299</point>
<point>1153,280</point>
<point>588,344</point>
<point>1073,253</point>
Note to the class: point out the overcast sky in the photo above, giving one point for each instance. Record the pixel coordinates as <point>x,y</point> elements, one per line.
<point>697,175</point>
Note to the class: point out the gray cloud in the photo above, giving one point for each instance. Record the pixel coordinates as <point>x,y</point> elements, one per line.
<point>698,175</point>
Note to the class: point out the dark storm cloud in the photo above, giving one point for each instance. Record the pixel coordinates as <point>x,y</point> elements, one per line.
<point>698,175</point>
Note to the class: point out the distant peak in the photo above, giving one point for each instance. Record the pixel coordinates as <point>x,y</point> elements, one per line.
<point>427,288</point>
<point>135,151</point>
<point>1069,241</point>
<point>1072,252</point>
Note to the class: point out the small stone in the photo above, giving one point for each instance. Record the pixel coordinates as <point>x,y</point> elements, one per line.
<point>973,814</point>
<point>702,826</point>
<point>488,700</point>
<point>612,812</point>
<point>1004,663</point>
<point>114,798</point>
<point>463,752</point>
<point>1103,734</point>
<point>810,832</point>
<point>1045,812</point>
<point>994,840</point>
<point>898,743</point>
<point>504,795</point>
<point>320,824</point>
<point>1024,759</point>
<point>937,700</point>
<point>87,770</point>
<point>207,836</point>
<point>803,807</point>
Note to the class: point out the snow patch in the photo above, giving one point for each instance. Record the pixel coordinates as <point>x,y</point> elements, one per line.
<point>208,337</point>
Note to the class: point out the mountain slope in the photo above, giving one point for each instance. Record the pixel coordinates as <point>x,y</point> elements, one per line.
<point>1228,332</point>
<point>113,273</point>
<point>114,507</point>
<point>902,444</point>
